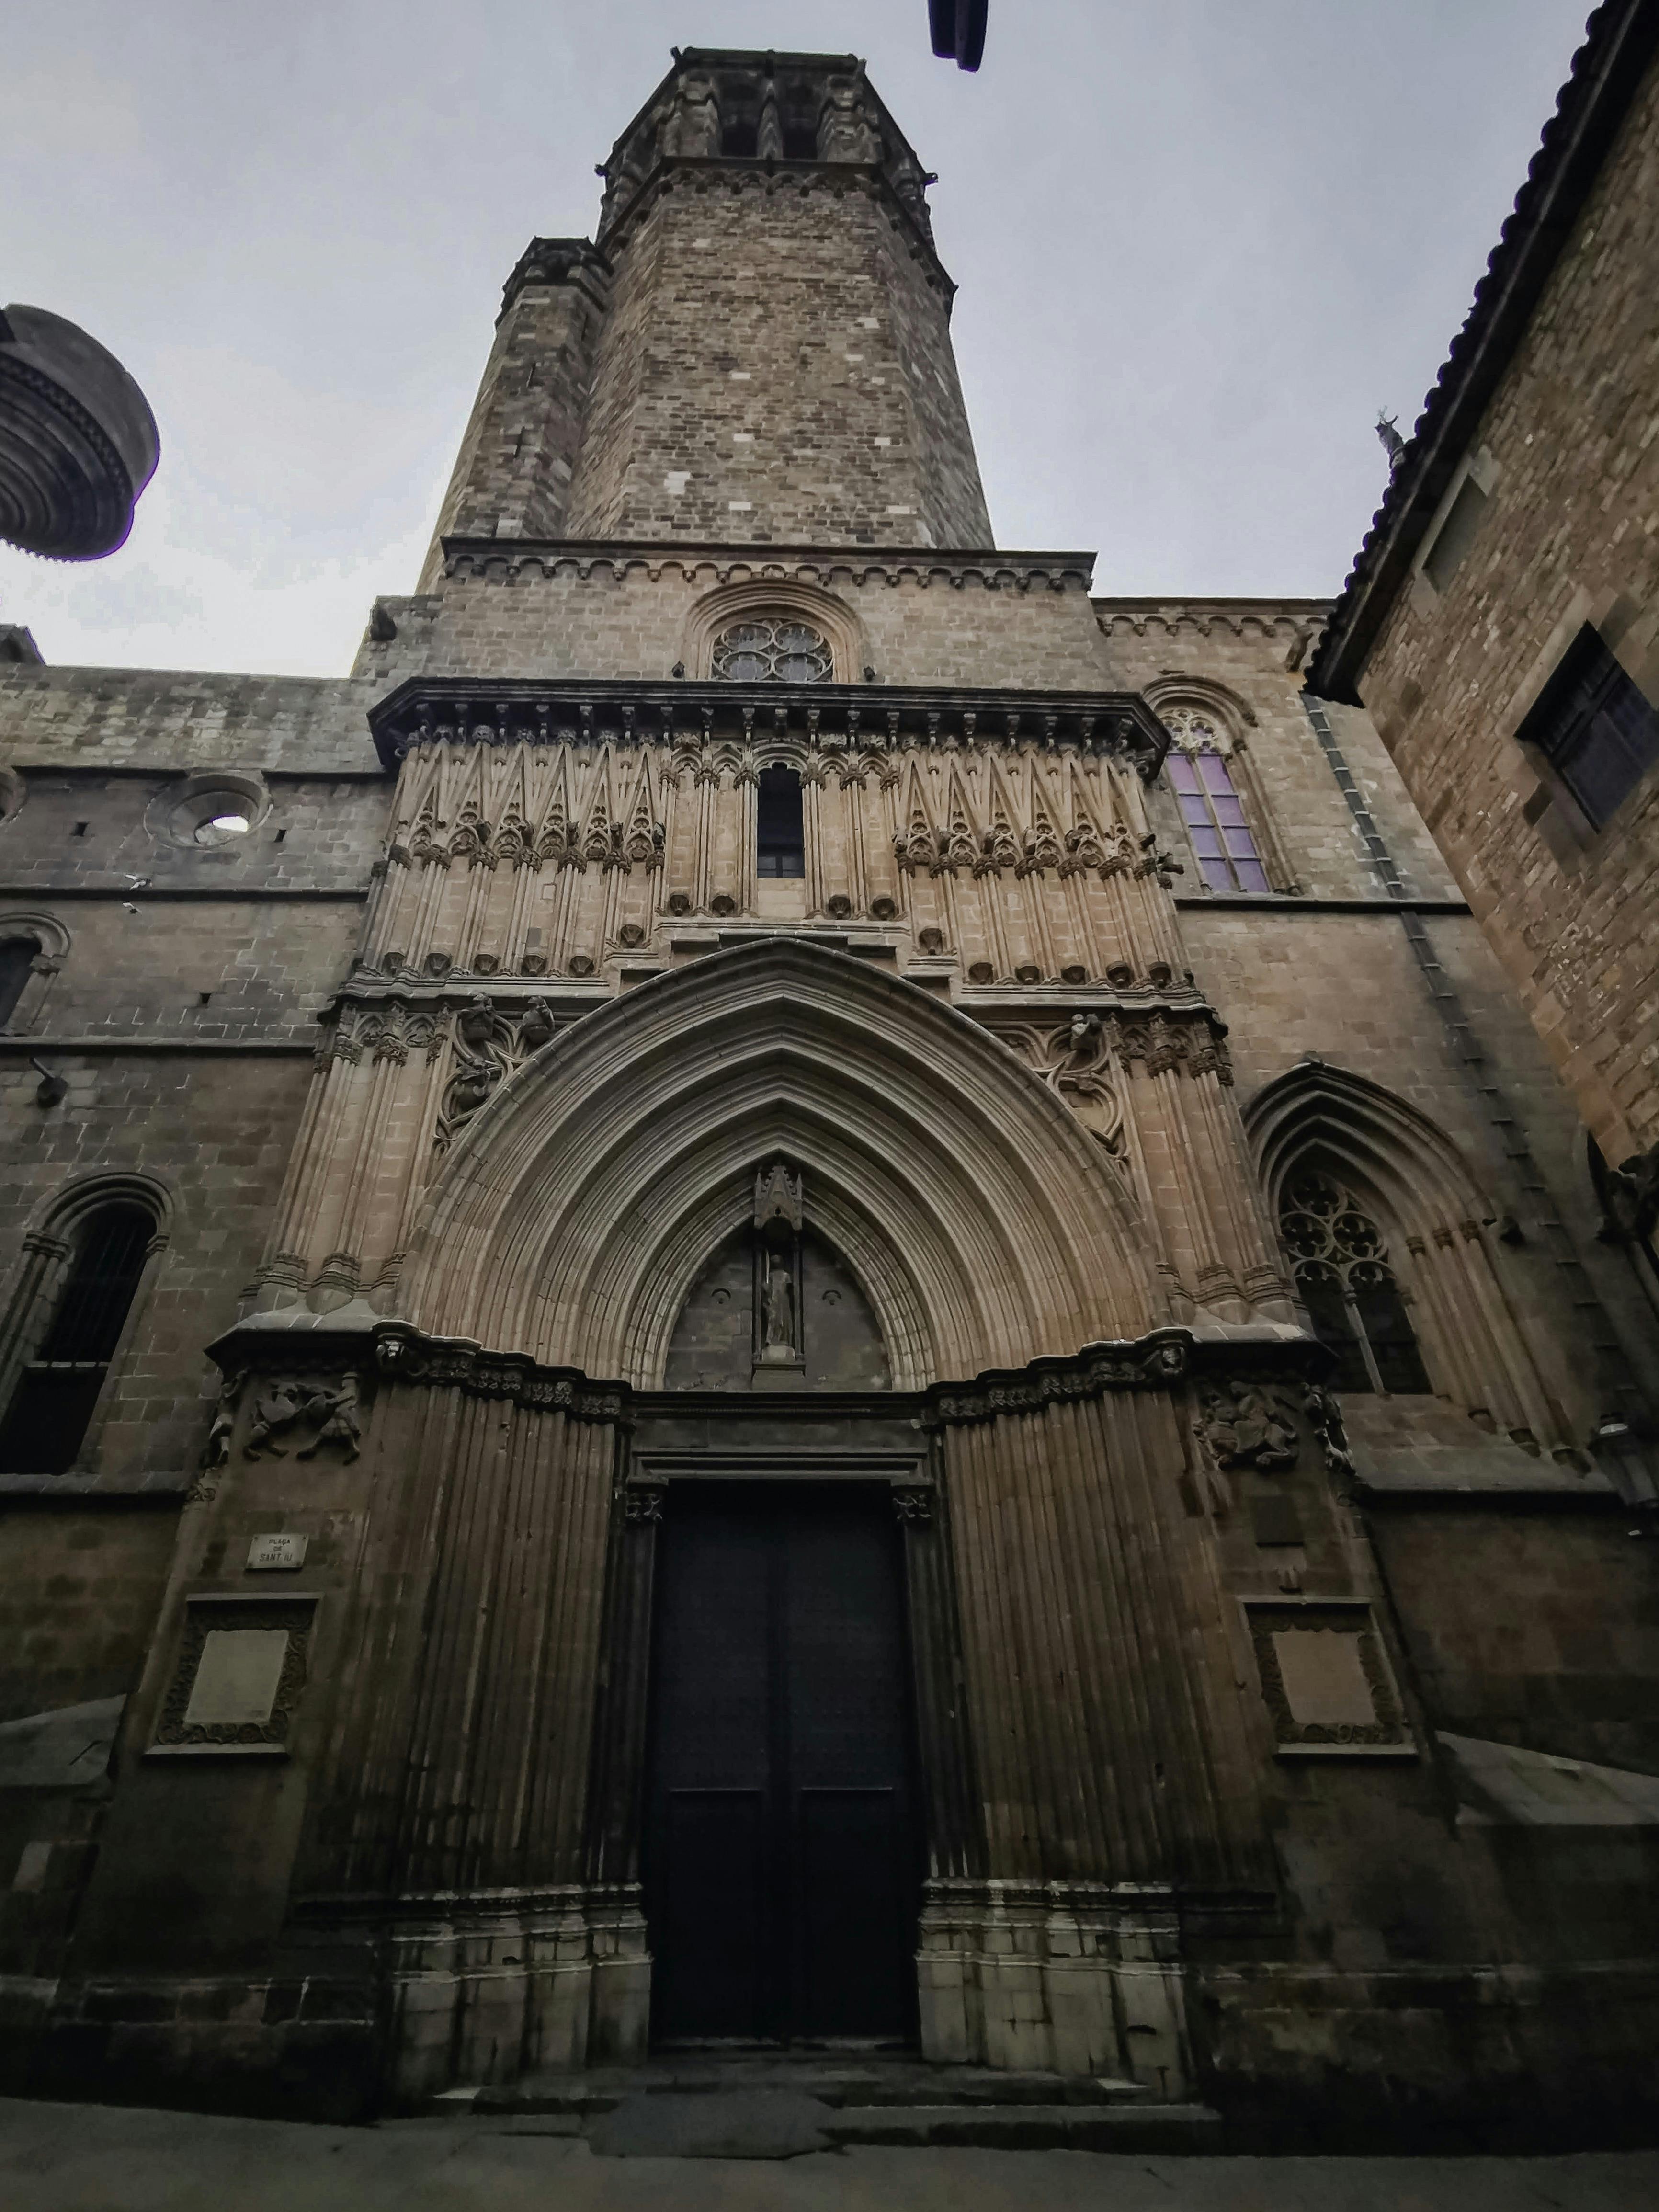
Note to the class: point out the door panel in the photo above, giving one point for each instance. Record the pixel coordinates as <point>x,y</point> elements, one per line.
<point>781,1880</point>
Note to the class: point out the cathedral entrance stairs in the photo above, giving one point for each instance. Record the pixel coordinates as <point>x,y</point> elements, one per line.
<point>775,2105</point>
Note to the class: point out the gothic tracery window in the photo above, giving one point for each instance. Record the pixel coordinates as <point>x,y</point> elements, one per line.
<point>1211,806</point>
<point>773,649</point>
<point>1344,1279</point>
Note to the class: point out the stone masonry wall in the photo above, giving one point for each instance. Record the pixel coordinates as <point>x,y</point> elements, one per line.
<point>1570,535</point>
<point>535,612</point>
<point>776,367</point>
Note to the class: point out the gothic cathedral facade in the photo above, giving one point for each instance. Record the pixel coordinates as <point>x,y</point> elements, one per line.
<point>791,1287</point>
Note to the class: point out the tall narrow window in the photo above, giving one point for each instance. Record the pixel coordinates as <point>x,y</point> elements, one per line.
<point>781,838</point>
<point>17,958</point>
<point>52,1404</point>
<point>1344,1279</point>
<point>1595,729</point>
<point>1214,814</point>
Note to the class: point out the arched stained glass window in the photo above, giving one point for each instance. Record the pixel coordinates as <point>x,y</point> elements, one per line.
<point>57,1389</point>
<point>1222,841</point>
<point>1345,1281</point>
<point>773,649</point>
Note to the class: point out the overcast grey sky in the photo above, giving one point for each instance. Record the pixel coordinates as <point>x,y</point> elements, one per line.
<point>1199,243</point>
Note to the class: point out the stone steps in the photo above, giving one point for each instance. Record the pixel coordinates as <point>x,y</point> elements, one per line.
<point>778,2107</point>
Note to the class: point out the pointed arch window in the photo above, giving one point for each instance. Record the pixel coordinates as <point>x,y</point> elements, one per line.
<point>1344,1279</point>
<point>1213,808</point>
<point>58,1387</point>
<point>779,824</point>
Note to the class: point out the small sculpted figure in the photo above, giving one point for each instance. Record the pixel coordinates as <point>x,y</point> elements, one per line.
<point>337,1410</point>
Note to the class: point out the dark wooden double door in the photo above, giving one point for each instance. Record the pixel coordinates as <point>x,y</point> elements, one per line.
<point>781,1853</point>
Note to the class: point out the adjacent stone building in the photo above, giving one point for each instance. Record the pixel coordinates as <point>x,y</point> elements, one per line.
<point>1502,621</point>
<point>790,1289</point>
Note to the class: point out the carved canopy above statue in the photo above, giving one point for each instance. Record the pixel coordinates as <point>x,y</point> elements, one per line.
<point>984,1224</point>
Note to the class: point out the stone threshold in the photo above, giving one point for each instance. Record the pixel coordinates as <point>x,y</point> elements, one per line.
<point>779,2104</point>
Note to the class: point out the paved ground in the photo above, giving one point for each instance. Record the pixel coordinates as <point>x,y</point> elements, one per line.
<point>94,2158</point>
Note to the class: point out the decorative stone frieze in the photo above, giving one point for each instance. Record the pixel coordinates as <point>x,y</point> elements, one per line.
<point>498,711</point>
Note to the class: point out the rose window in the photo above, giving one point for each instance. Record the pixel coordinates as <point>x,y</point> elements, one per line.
<point>772,650</point>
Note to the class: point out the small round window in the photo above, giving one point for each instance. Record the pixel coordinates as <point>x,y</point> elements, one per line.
<point>772,650</point>
<point>216,807</point>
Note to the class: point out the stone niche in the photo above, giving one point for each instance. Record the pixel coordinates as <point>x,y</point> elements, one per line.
<point>717,1343</point>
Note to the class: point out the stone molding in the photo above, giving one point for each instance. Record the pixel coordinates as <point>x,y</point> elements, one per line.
<point>704,564</point>
<point>459,710</point>
<point>398,1352</point>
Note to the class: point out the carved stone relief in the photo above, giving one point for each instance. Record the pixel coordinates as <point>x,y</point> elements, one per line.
<point>327,1410</point>
<point>490,1043</point>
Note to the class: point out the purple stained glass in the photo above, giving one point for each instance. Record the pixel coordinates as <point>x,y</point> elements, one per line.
<point>1214,814</point>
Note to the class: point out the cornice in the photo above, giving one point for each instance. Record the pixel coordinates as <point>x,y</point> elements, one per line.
<point>294,1340</point>
<point>1620,39</point>
<point>699,561</point>
<point>459,710</point>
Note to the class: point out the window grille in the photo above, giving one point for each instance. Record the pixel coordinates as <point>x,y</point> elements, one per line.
<point>46,1422</point>
<point>1595,729</point>
<point>1345,1281</point>
<point>777,649</point>
<point>17,958</point>
<point>780,832</point>
<point>1213,812</point>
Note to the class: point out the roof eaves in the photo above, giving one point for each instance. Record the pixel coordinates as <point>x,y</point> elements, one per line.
<point>1620,39</point>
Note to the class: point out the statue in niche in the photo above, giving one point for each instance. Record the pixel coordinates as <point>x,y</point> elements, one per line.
<point>778,1321</point>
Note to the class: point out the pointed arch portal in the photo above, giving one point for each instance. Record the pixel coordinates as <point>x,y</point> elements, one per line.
<point>981,1221</point>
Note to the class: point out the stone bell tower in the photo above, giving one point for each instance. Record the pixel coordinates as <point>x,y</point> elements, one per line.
<point>757,349</point>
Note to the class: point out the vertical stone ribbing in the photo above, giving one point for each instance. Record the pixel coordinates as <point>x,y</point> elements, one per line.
<point>1096,1670</point>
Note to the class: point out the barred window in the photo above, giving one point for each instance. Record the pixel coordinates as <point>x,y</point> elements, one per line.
<point>1214,814</point>
<point>1344,1279</point>
<point>53,1405</point>
<point>779,649</point>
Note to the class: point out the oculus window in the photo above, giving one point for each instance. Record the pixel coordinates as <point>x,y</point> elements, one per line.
<point>781,649</point>
<point>1344,1279</point>
<point>1593,727</point>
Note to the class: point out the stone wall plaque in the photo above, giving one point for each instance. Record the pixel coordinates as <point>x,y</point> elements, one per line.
<point>237,1678</point>
<point>272,1555</point>
<point>1326,1677</point>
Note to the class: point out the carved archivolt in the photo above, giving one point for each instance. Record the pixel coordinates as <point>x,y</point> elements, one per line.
<point>985,1226</point>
